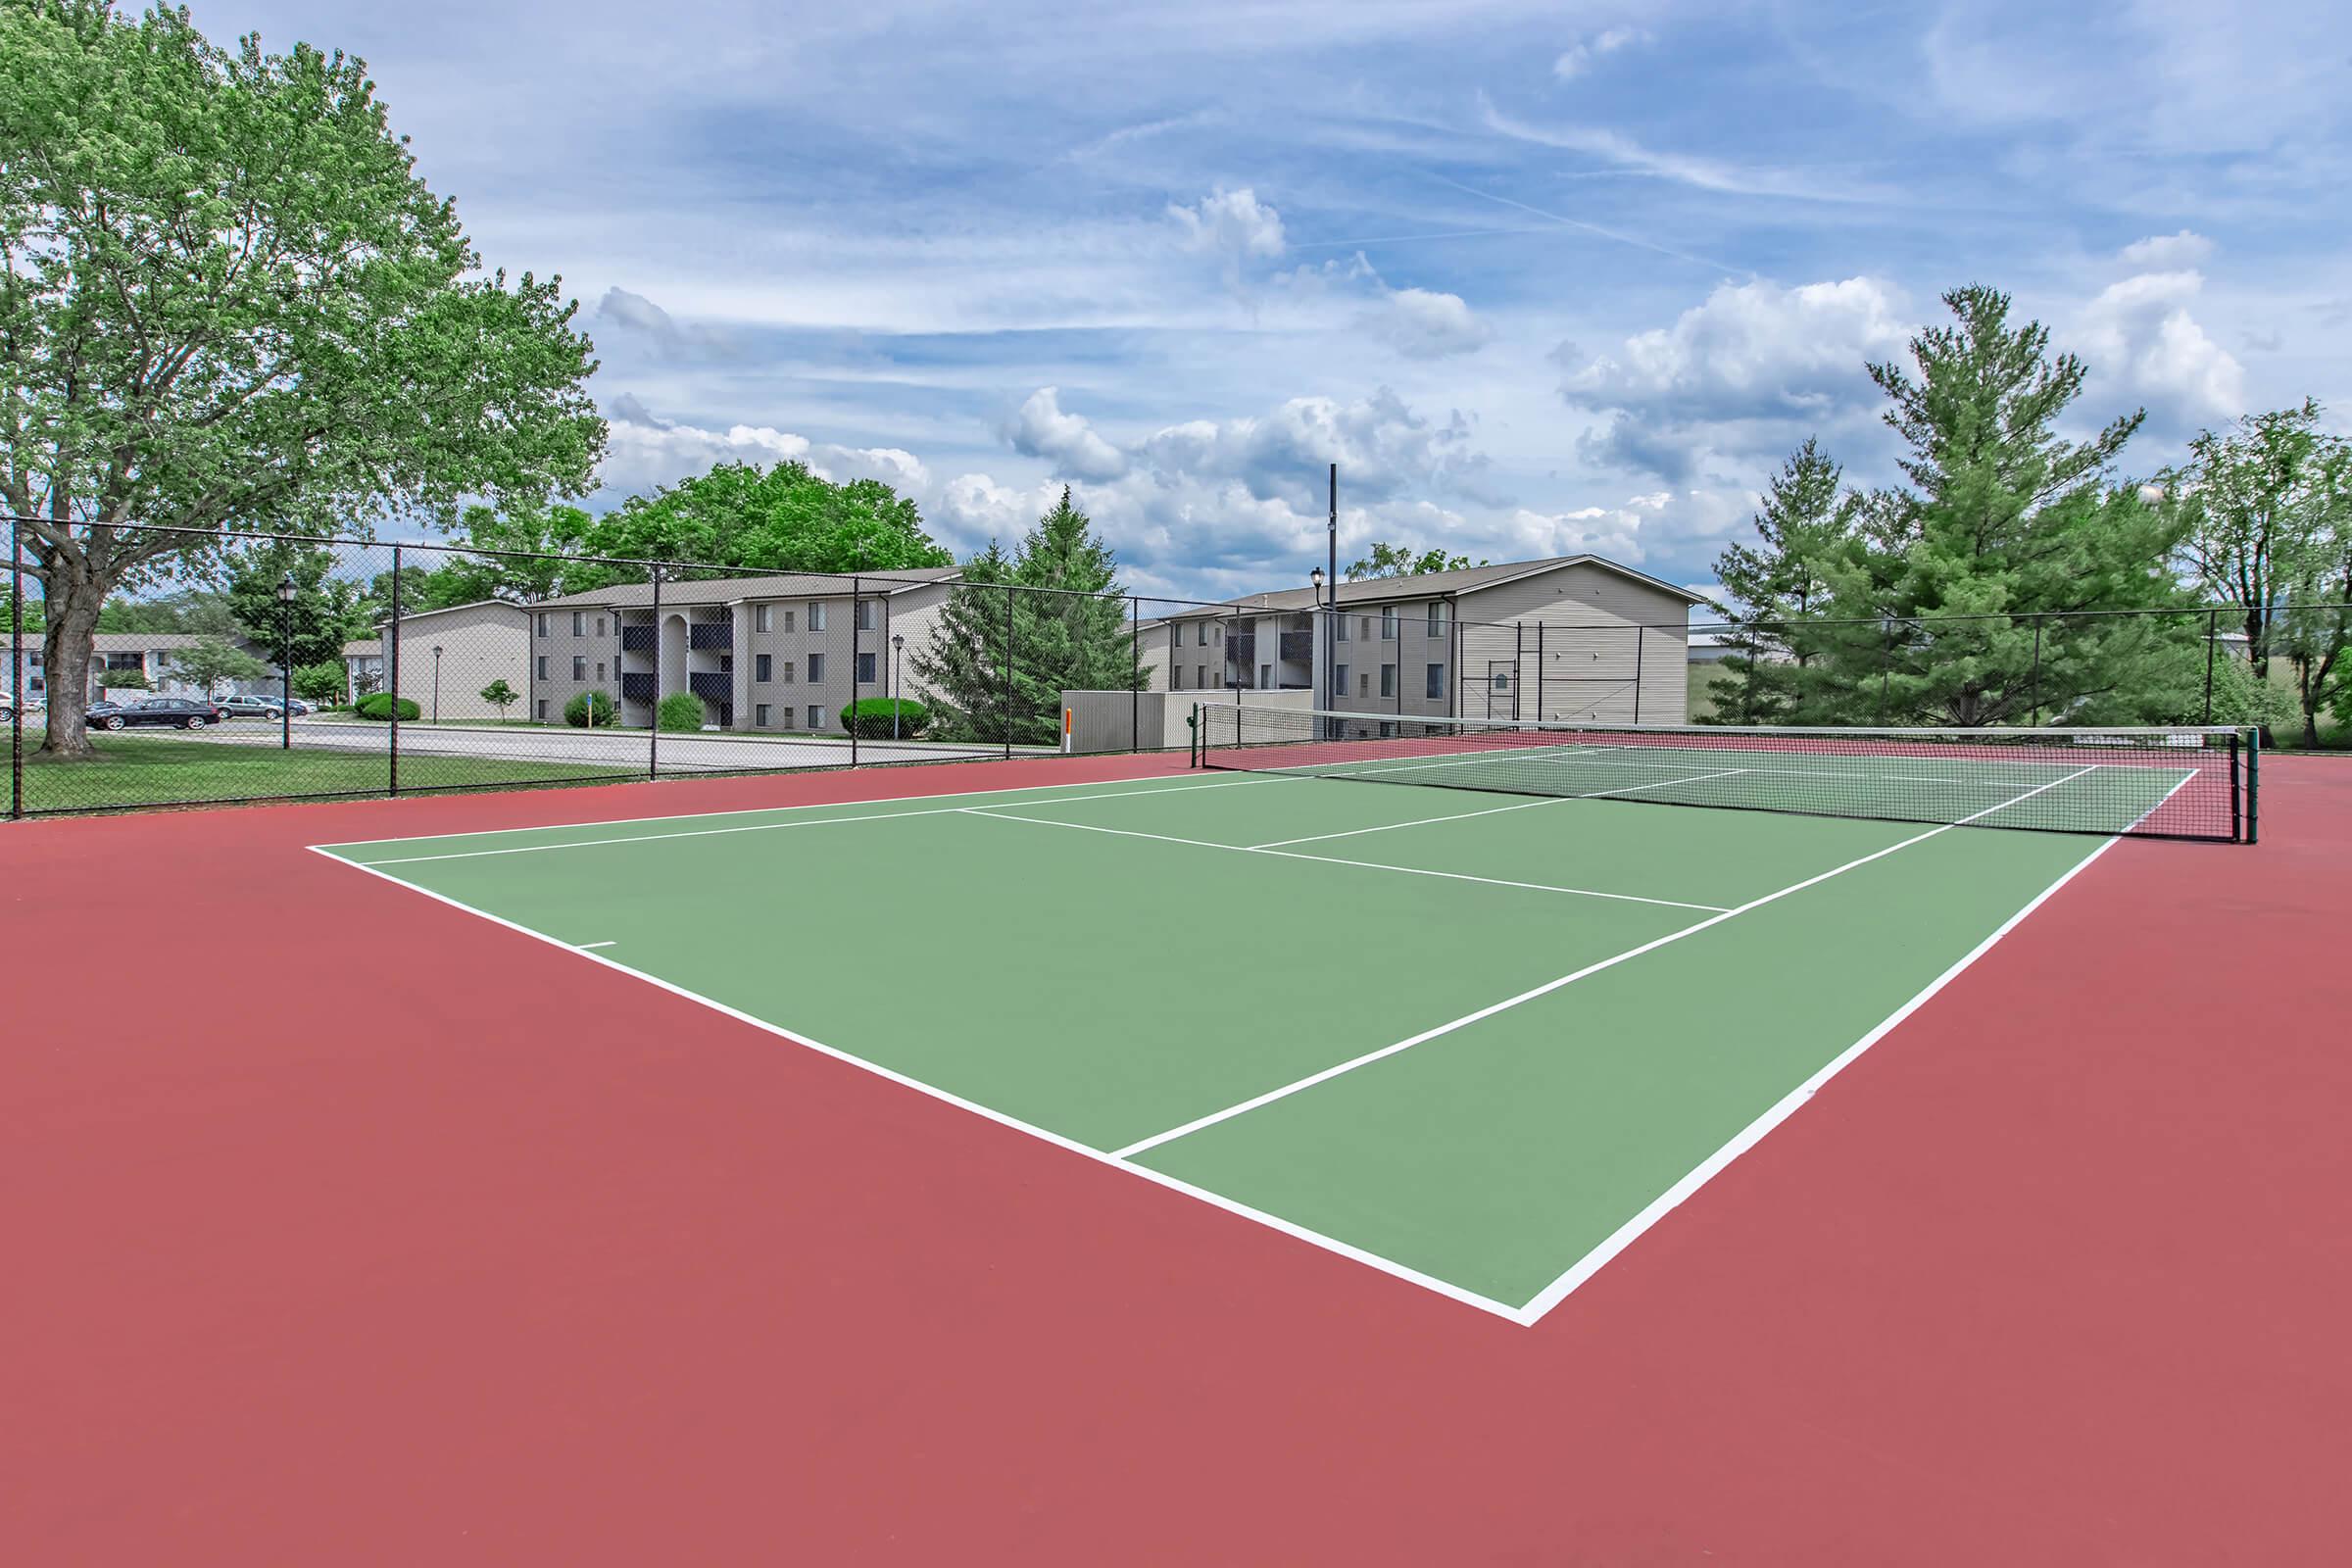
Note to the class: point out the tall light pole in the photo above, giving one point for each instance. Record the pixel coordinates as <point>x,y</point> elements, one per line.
<point>285,663</point>
<point>437,684</point>
<point>1332,617</point>
<point>1326,648</point>
<point>897,646</point>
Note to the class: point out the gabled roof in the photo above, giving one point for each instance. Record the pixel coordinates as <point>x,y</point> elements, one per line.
<point>470,604</point>
<point>727,590</point>
<point>1437,585</point>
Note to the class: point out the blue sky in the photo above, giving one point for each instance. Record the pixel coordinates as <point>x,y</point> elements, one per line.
<point>1539,277</point>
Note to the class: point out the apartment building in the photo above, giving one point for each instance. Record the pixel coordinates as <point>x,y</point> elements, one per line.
<point>1572,637</point>
<point>148,654</point>
<point>781,653</point>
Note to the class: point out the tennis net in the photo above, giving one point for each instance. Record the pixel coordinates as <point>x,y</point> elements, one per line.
<point>2187,783</point>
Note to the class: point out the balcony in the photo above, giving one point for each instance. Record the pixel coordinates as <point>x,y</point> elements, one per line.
<point>640,639</point>
<point>710,634</point>
<point>637,688</point>
<point>1297,647</point>
<point>1241,647</point>
<point>712,687</point>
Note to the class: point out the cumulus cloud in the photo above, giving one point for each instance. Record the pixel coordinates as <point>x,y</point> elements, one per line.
<point>1423,324</point>
<point>2140,336</point>
<point>1735,374</point>
<point>1041,429</point>
<point>2183,248</point>
<point>643,453</point>
<point>1578,57</point>
<point>1232,226</point>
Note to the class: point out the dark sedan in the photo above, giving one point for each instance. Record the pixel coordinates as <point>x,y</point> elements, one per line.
<point>178,713</point>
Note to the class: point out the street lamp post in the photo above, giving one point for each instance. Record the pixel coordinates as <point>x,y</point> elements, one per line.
<point>285,663</point>
<point>1325,644</point>
<point>436,683</point>
<point>898,645</point>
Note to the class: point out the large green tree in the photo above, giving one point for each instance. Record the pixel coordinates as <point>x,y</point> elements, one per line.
<point>1404,561</point>
<point>206,665</point>
<point>780,518</point>
<point>1965,590</point>
<point>226,297</point>
<point>1778,585</point>
<point>1020,629</point>
<point>323,615</point>
<point>2265,514</point>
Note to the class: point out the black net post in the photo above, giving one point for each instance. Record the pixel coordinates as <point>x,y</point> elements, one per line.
<point>2213,636</point>
<point>653,730</point>
<point>2038,620</point>
<point>392,680</point>
<point>16,670</point>
<point>1008,591</point>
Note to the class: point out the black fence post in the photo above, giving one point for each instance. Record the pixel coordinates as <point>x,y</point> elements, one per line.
<point>653,730</point>
<point>1639,634</point>
<point>1135,674</point>
<point>2038,620</point>
<point>2213,636</point>
<point>1539,672</point>
<point>16,670</point>
<point>1009,592</point>
<point>392,680</point>
<point>856,613</point>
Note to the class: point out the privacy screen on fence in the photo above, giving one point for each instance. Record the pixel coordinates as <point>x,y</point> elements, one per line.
<point>2186,783</point>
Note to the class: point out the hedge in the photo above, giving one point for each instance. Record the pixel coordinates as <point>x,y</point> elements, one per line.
<point>869,718</point>
<point>379,705</point>
<point>681,713</point>
<point>576,712</point>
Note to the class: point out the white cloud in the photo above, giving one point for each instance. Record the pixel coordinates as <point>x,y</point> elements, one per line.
<point>1041,429</point>
<point>643,452</point>
<point>2183,248</point>
<point>2138,335</point>
<point>1229,224</point>
<point>1422,325</point>
<point>1578,57</point>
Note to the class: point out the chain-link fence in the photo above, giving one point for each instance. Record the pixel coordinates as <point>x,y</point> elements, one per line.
<point>241,666</point>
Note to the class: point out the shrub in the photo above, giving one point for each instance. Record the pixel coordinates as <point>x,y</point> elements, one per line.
<point>379,706</point>
<point>588,707</point>
<point>321,683</point>
<point>680,712</point>
<point>126,679</point>
<point>869,718</point>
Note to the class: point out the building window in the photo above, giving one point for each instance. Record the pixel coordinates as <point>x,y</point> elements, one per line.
<point>1388,680</point>
<point>817,622</point>
<point>816,666</point>
<point>786,674</point>
<point>1388,623</point>
<point>1363,627</point>
<point>760,714</point>
<point>1437,617</point>
<point>790,615</point>
<point>1266,677</point>
<point>579,623</point>
<point>1201,635</point>
<point>1363,685</point>
<point>1502,680</point>
<point>1340,685</point>
<point>600,670</point>
<point>580,668</point>
<point>1175,677</point>
<point>543,623</point>
<point>1436,681</point>
<point>763,619</point>
<point>543,667</point>
<point>763,668</point>
<point>816,719</point>
<point>866,670</point>
<point>1343,629</point>
<point>599,625</point>
<point>1200,675</point>
<point>868,614</point>
<point>542,710</point>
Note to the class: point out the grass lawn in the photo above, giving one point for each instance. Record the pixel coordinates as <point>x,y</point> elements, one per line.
<point>154,769</point>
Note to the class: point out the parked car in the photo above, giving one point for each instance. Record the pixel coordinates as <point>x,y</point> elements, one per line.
<point>253,705</point>
<point>8,707</point>
<point>178,713</point>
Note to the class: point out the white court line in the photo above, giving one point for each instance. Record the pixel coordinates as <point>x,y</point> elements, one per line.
<point>771,811</point>
<point>1584,1268</point>
<point>587,946</point>
<point>1003,815</point>
<point>766,827</point>
<point>1454,816</point>
<point>1602,795</point>
<point>1290,1228</point>
<point>1548,987</point>
<point>2160,799</point>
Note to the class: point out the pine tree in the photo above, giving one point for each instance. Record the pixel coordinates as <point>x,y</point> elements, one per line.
<point>1965,582</point>
<point>1072,639</point>
<point>1807,521</point>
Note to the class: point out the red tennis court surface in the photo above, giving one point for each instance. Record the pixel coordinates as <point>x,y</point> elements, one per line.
<point>343,1228</point>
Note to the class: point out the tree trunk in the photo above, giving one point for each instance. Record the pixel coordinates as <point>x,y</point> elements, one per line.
<point>73,611</point>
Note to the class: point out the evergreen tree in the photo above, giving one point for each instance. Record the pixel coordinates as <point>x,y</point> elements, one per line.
<point>1072,640</point>
<point>2006,523</point>
<point>1807,521</point>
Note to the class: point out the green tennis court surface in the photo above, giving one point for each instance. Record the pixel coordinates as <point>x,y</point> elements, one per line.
<point>1478,1040</point>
